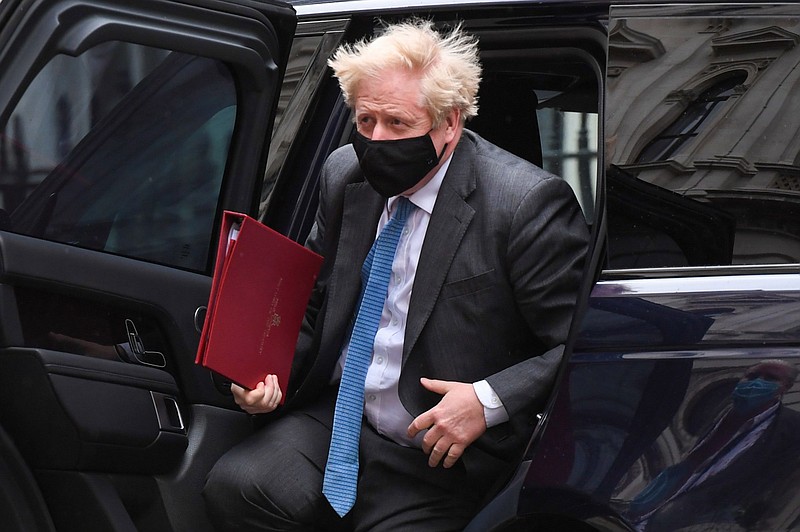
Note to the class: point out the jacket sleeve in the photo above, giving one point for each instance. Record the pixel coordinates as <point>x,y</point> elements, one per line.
<point>547,247</point>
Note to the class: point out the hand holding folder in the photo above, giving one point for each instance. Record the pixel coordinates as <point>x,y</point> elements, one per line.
<point>261,286</point>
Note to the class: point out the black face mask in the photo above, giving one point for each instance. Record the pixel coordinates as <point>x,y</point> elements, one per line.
<point>394,166</point>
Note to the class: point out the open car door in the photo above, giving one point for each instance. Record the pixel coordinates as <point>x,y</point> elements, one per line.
<point>125,129</point>
<point>655,424</point>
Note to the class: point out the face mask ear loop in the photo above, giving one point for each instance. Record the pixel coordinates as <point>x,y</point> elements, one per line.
<point>444,149</point>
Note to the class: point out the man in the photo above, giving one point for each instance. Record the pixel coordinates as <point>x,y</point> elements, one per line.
<point>481,294</point>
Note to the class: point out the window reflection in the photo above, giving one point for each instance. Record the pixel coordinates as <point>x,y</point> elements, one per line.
<point>698,114</point>
<point>703,141</point>
<point>121,149</point>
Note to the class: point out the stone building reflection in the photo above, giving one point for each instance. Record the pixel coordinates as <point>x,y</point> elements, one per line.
<point>703,169</point>
<point>702,176</point>
<point>715,121</point>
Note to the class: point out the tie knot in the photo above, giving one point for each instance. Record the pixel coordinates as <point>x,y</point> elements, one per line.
<point>402,208</point>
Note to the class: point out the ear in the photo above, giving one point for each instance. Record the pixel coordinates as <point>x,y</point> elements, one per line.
<point>453,122</point>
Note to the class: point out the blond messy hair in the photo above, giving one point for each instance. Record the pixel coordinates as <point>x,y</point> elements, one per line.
<point>448,65</point>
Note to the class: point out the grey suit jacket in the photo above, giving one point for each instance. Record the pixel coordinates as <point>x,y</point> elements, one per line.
<point>495,286</point>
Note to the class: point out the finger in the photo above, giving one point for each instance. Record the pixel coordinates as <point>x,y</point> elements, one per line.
<point>453,455</point>
<point>277,398</point>
<point>275,390</point>
<point>256,395</point>
<point>436,456</point>
<point>238,394</point>
<point>278,391</point>
<point>436,386</point>
<point>421,422</point>
<point>270,383</point>
<point>430,440</point>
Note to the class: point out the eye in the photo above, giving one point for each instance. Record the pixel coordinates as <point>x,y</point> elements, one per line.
<point>365,124</point>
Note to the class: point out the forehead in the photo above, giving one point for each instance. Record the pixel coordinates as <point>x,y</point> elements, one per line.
<point>769,371</point>
<point>390,89</point>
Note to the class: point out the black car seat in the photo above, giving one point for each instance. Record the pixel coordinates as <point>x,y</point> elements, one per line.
<point>507,118</point>
<point>22,508</point>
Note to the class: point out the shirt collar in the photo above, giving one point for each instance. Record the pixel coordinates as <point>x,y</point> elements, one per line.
<point>425,198</point>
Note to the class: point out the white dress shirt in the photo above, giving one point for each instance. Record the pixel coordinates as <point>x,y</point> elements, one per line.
<point>382,404</point>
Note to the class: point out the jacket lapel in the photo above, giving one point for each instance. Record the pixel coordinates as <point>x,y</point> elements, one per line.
<point>449,221</point>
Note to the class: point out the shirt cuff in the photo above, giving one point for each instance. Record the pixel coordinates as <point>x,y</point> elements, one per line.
<point>493,410</point>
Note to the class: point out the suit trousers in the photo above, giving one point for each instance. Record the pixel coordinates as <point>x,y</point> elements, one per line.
<point>273,481</point>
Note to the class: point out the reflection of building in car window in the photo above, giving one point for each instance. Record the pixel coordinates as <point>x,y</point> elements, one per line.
<point>700,129</point>
<point>68,97</point>
<point>143,181</point>
<point>694,118</point>
<point>739,463</point>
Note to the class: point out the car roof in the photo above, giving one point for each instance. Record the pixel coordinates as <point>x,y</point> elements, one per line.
<point>333,7</point>
<point>306,8</point>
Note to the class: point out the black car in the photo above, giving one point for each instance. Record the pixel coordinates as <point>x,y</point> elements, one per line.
<point>126,128</point>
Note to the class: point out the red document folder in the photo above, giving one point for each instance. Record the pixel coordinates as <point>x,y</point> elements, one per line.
<point>261,286</point>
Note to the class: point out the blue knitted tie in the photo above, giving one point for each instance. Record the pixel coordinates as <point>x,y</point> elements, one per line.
<point>341,471</point>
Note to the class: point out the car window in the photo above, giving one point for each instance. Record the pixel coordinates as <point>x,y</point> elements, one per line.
<point>570,151</point>
<point>540,102</point>
<point>703,149</point>
<point>306,73</point>
<point>121,149</point>
<point>537,99</point>
<point>520,112</point>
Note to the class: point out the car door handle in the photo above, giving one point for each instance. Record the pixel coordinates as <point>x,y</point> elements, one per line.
<point>136,349</point>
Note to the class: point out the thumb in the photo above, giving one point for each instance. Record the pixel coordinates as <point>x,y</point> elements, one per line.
<point>435,386</point>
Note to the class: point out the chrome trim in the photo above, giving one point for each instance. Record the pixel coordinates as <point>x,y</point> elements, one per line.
<point>727,354</point>
<point>699,271</point>
<point>165,424</point>
<point>199,318</point>
<point>778,282</point>
<point>365,6</point>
